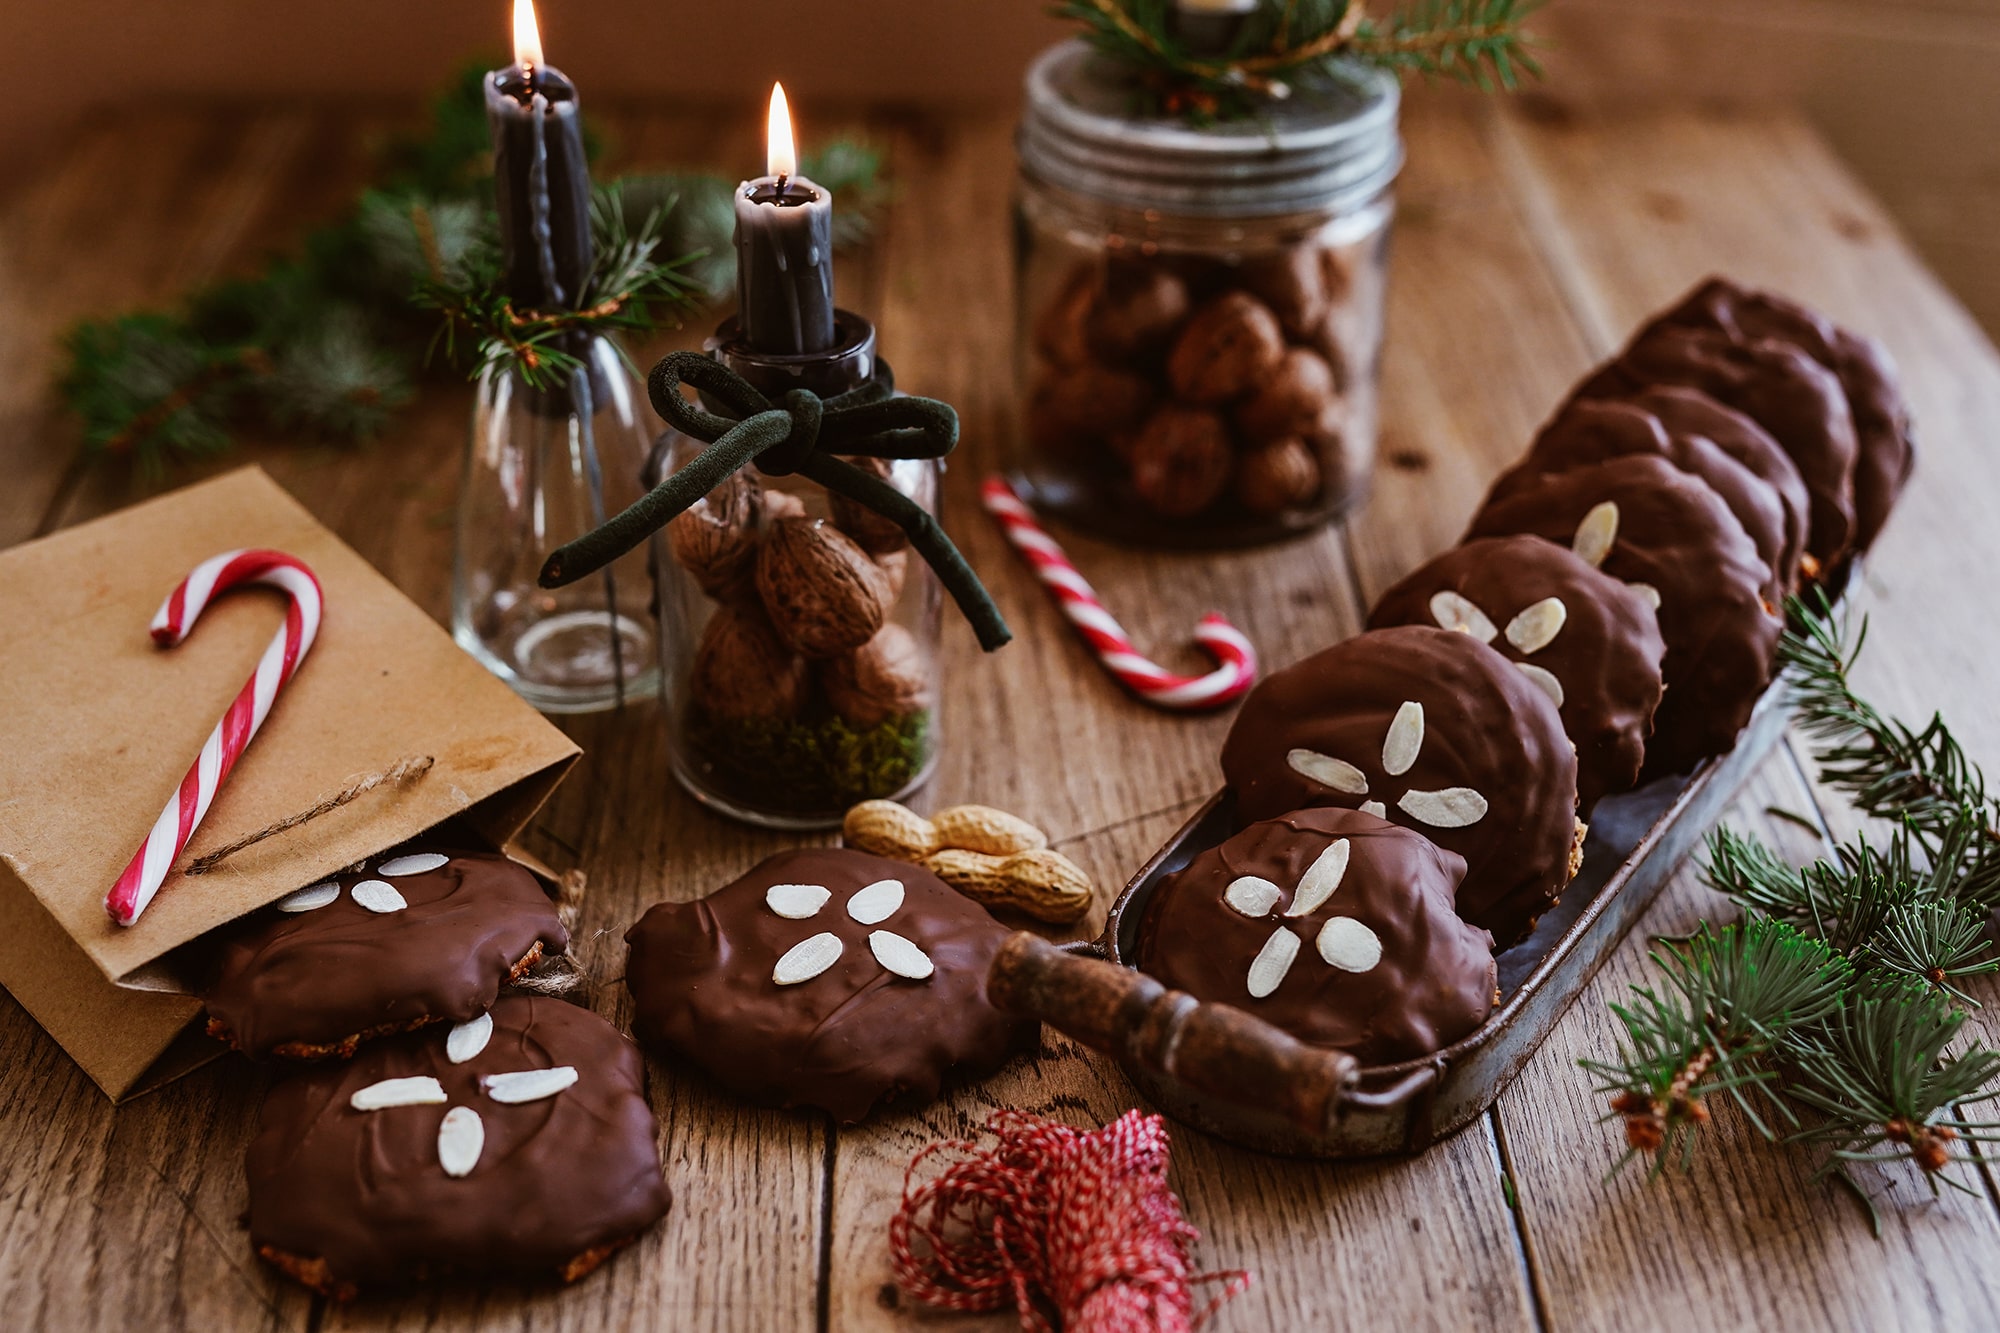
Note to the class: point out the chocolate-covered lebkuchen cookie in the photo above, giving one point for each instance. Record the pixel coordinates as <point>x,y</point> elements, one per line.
<point>1331,924</point>
<point>1590,430</point>
<point>1866,373</point>
<point>414,937</point>
<point>1436,731</point>
<point>1781,388</point>
<point>518,1144</point>
<point>824,977</point>
<point>1641,519</point>
<point>1589,641</point>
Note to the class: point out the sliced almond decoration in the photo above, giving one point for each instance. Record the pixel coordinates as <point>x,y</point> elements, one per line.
<point>309,899</point>
<point>899,955</point>
<point>1252,895</point>
<point>1537,626</point>
<point>1597,533</point>
<point>1349,945</point>
<point>415,864</point>
<point>528,1085</point>
<point>468,1039</point>
<point>461,1138</point>
<point>1405,739</point>
<point>1268,968</point>
<point>422,1090</point>
<point>1328,771</point>
<point>1454,807</point>
<point>1322,877</point>
<point>1375,808</point>
<point>808,958</point>
<point>1454,610</point>
<point>1647,591</point>
<point>796,902</point>
<point>877,902</point>
<point>377,896</point>
<point>1545,681</point>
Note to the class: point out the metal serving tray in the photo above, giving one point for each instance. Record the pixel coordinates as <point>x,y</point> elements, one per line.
<point>1225,1072</point>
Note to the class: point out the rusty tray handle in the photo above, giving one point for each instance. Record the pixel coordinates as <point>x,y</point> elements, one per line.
<point>1214,1049</point>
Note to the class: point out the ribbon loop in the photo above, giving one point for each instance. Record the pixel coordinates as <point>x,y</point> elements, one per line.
<point>800,433</point>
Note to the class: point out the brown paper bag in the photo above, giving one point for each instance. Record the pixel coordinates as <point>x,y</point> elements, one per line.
<point>97,727</point>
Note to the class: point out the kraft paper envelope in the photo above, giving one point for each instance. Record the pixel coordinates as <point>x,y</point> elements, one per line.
<point>97,727</point>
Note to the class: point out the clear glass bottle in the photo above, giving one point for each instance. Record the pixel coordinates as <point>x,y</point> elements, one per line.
<point>1199,316</point>
<point>798,632</point>
<point>542,468</point>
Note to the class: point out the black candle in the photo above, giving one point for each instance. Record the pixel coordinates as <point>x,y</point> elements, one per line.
<point>540,178</point>
<point>784,251</point>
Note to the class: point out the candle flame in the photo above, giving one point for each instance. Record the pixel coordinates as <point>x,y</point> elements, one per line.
<point>781,159</point>
<point>527,35</point>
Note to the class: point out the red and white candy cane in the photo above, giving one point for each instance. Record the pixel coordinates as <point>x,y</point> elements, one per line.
<point>176,824</point>
<point>1236,660</point>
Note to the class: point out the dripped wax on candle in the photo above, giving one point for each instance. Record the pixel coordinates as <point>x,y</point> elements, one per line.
<point>784,251</point>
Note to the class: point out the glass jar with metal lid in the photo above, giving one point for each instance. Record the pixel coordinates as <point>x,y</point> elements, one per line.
<point>1199,310</point>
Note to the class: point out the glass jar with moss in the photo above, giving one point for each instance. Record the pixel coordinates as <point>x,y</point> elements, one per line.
<point>798,628</point>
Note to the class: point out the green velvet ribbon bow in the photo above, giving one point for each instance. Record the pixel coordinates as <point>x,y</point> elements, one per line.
<point>801,433</point>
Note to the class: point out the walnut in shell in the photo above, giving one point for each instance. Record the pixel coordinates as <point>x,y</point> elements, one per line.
<point>1182,460</point>
<point>1135,314</point>
<point>1292,283</point>
<point>1229,346</point>
<point>1059,332</point>
<point>742,673</point>
<point>875,533</point>
<point>715,539</point>
<point>1272,478</point>
<point>824,595</point>
<point>1290,401</point>
<point>883,679</point>
<point>1089,404</point>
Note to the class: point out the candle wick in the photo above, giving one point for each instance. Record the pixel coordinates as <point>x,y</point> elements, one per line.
<point>783,180</point>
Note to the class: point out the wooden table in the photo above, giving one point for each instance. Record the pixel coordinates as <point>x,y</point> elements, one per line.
<point>1531,239</point>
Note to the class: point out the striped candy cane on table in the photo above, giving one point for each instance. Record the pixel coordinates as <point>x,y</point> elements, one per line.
<point>1236,660</point>
<point>176,616</point>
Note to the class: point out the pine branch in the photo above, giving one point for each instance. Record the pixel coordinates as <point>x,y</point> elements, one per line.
<point>1478,42</point>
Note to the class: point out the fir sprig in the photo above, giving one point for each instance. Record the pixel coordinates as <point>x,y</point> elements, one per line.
<point>1900,924</point>
<point>1284,43</point>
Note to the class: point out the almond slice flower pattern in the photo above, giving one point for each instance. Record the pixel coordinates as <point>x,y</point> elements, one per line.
<point>1343,942</point>
<point>869,905</point>
<point>1451,807</point>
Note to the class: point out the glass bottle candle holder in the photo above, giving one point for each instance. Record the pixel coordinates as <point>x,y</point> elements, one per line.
<point>543,467</point>
<point>798,631</point>
<point>1200,307</point>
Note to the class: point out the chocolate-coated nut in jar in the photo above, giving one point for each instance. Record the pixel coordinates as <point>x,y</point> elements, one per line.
<point>516,1145</point>
<point>824,977</point>
<point>1435,731</point>
<point>1182,461</point>
<point>1331,924</point>
<point>1589,641</point>
<point>1226,349</point>
<point>415,936</point>
<point>1644,521</point>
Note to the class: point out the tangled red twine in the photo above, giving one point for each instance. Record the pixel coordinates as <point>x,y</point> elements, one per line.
<point>1059,1221</point>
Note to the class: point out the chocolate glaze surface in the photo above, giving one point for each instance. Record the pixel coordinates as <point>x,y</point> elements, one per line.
<point>1605,656</point>
<point>848,1038</point>
<point>1590,430</point>
<point>366,1193</point>
<point>1795,398</point>
<point>288,982</point>
<point>1432,983</point>
<point>1673,534</point>
<point>1866,373</point>
<point>1486,727</point>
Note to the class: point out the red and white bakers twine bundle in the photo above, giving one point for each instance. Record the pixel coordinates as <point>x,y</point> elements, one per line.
<point>1236,660</point>
<point>232,735</point>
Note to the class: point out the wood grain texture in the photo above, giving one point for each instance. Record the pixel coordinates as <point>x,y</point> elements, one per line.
<point>1527,244</point>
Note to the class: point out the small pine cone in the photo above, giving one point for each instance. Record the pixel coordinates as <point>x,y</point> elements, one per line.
<point>1275,477</point>
<point>1137,310</point>
<point>1090,404</point>
<point>1182,460</point>
<point>1291,400</point>
<point>1226,350</point>
<point>874,533</point>
<point>1292,282</point>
